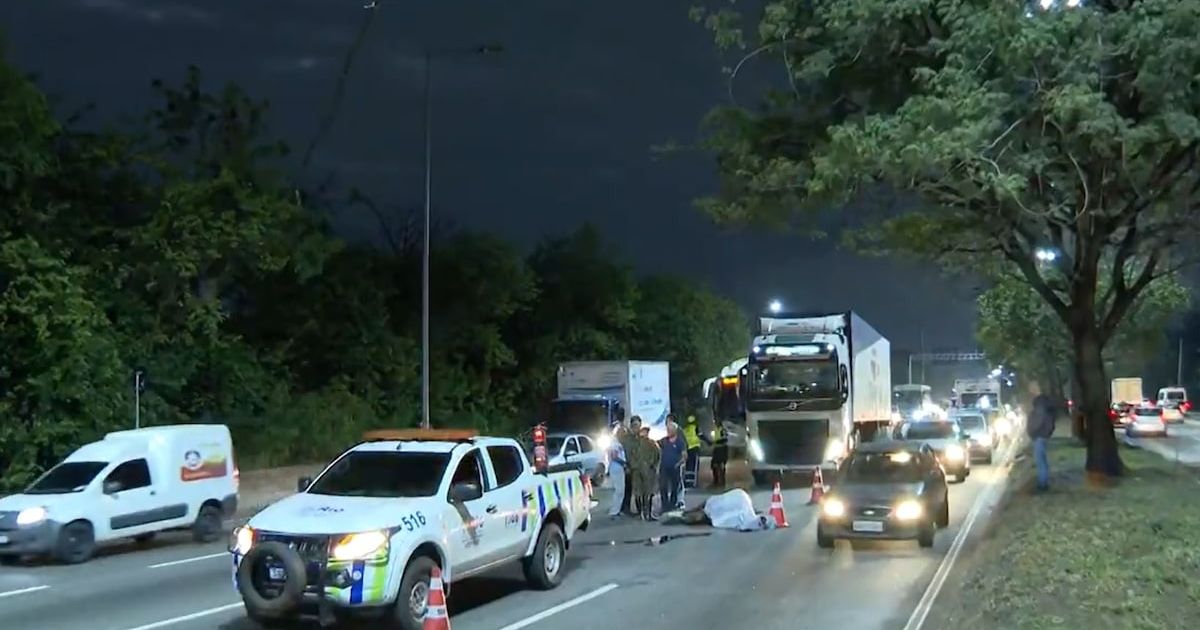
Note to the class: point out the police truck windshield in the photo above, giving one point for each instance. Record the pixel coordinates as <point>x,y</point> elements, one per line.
<point>383,475</point>
<point>793,380</point>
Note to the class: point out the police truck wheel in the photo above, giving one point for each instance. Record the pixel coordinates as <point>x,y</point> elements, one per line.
<point>544,568</point>
<point>266,598</point>
<point>76,543</point>
<point>414,594</point>
<point>207,527</point>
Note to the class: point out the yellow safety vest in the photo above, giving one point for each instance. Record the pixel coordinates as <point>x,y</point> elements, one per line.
<point>691,437</point>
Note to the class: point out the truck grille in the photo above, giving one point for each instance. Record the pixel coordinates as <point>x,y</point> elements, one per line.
<point>793,442</point>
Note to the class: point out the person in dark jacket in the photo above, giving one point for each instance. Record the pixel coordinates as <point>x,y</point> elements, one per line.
<point>670,471</point>
<point>1040,427</point>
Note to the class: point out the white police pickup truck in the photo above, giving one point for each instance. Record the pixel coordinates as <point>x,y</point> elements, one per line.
<point>364,536</point>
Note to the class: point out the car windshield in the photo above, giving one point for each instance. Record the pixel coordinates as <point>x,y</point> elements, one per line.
<point>972,423</point>
<point>929,431</point>
<point>66,478</point>
<point>383,474</point>
<point>882,468</point>
<point>795,380</point>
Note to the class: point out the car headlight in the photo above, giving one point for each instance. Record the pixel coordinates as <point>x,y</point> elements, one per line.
<point>360,546</point>
<point>833,508</point>
<point>984,439</point>
<point>604,441</point>
<point>955,453</point>
<point>756,449</point>
<point>32,516</point>
<point>835,450</point>
<point>908,510</point>
<point>242,540</point>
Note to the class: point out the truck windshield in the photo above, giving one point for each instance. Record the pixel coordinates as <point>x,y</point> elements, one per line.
<point>383,475</point>
<point>972,423</point>
<point>882,468</point>
<point>983,400</point>
<point>909,401</point>
<point>579,416</point>
<point>66,478</point>
<point>793,380</point>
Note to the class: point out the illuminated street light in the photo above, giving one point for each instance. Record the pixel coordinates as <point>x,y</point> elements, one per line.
<point>776,306</point>
<point>1046,255</point>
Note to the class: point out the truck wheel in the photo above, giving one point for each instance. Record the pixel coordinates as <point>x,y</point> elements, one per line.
<point>76,543</point>
<point>925,536</point>
<point>544,568</point>
<point>413,596</point>
<point>207,527</point>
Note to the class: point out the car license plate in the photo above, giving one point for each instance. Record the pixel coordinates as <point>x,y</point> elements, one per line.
<point>868,526</point>
<point>277,573</point>
<point>3,540</point>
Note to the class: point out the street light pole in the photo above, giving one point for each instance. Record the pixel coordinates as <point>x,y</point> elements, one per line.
<point>425,245</point>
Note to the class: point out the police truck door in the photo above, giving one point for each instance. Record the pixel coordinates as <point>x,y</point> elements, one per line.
<point>469,534</point>
<point>512,520</point>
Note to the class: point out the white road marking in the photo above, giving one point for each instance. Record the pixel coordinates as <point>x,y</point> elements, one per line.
<point>172,563</point>
<point>22,591</point>
<point>917,619</point>
<point>195,615</point>
<point>529,621</point>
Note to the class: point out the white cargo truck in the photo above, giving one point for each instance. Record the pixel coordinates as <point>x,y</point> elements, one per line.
<point>592,395</point>
<point>814,385</point>
<point>977,393</point>
<point>1127,390</point>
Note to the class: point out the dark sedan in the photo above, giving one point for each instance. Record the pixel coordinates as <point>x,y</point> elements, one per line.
<point>886,491</point>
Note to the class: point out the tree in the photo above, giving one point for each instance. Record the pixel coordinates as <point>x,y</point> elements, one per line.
<point>1013,129</point>
<point>693,329</point>
<point>1018,327</point>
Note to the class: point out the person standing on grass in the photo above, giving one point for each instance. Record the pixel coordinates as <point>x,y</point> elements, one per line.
<point>1040,427</point>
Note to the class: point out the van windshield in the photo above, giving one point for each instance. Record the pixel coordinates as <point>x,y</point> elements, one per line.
<point>383,474</point>
<point>66,478</point>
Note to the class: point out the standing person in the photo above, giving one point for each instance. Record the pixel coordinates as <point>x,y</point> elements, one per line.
<point>720,456</point>
<point>1040,427</point>
<point>670,471</point>
<point>691,434</point>
<point>629,440</point>
<point>645,469</point>
<point>616,471</point>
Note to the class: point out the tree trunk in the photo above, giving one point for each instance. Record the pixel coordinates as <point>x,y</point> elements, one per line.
<point>1091,399</point>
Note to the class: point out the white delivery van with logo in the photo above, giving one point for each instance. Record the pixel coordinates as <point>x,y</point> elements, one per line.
<point>131,484</point>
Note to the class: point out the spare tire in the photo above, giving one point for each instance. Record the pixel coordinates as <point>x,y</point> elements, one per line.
<point>252,577</point>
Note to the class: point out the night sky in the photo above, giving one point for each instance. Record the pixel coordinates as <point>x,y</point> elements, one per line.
<point>555,131</point>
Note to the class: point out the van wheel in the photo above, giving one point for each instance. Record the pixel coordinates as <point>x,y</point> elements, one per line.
<point>207,527</point>
<point>76,543</point>
<point>413,597</point>
<point>544,568</point>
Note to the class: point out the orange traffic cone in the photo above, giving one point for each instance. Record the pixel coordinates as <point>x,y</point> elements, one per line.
<point>818,488</point>
<point>435,607</point>
<point>777,507</point>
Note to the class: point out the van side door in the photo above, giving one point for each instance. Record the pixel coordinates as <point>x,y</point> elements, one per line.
<point>131,502</point>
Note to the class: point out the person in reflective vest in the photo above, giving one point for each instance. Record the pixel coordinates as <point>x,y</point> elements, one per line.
<point>720,455</point>
<point>691,435</point>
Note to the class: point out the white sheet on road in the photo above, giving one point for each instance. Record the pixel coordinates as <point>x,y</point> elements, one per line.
<point>732,510</point>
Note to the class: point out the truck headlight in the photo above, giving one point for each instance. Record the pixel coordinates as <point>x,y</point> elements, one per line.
<point>955,453</point>
<point>833,508</point>
<point>242,540</point>
<point>604,441</point>
<point>908,510</point>
<point>756,449</point>
<point>360,546</point>
<point>32,516</point>
<point>835,450</point>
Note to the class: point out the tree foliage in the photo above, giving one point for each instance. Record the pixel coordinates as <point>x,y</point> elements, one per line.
<point>181,248</point>
<point>1013,128</point>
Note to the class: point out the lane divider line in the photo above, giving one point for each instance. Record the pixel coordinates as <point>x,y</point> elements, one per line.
<point>195,615</point>
<point>925,605</point>
<point>22,591</point>
<point>223,554</point>
<point>529,621</point>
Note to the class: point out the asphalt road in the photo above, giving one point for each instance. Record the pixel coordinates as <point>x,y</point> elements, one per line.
<point>765,580</point>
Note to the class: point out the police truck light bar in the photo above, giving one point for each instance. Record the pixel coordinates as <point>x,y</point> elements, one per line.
<point>540,461</point>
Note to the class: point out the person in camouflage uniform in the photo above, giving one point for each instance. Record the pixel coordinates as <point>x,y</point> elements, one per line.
<point>644,465</point>
<point>629,440</point>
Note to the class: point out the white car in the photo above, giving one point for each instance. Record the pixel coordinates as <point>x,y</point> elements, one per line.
<point>365,535</point>
<point>1146,420</point>
<point>131,484</point>
<point>577,448</point>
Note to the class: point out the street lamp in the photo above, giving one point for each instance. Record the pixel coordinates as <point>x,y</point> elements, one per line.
<point>430,55</point>
<point>776,306</point>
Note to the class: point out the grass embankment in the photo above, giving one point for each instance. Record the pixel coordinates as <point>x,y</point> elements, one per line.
<point>1083,558</point>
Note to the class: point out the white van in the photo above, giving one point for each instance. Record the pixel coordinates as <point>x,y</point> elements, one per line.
<point>1174,403</point>
<point>131,484</point>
